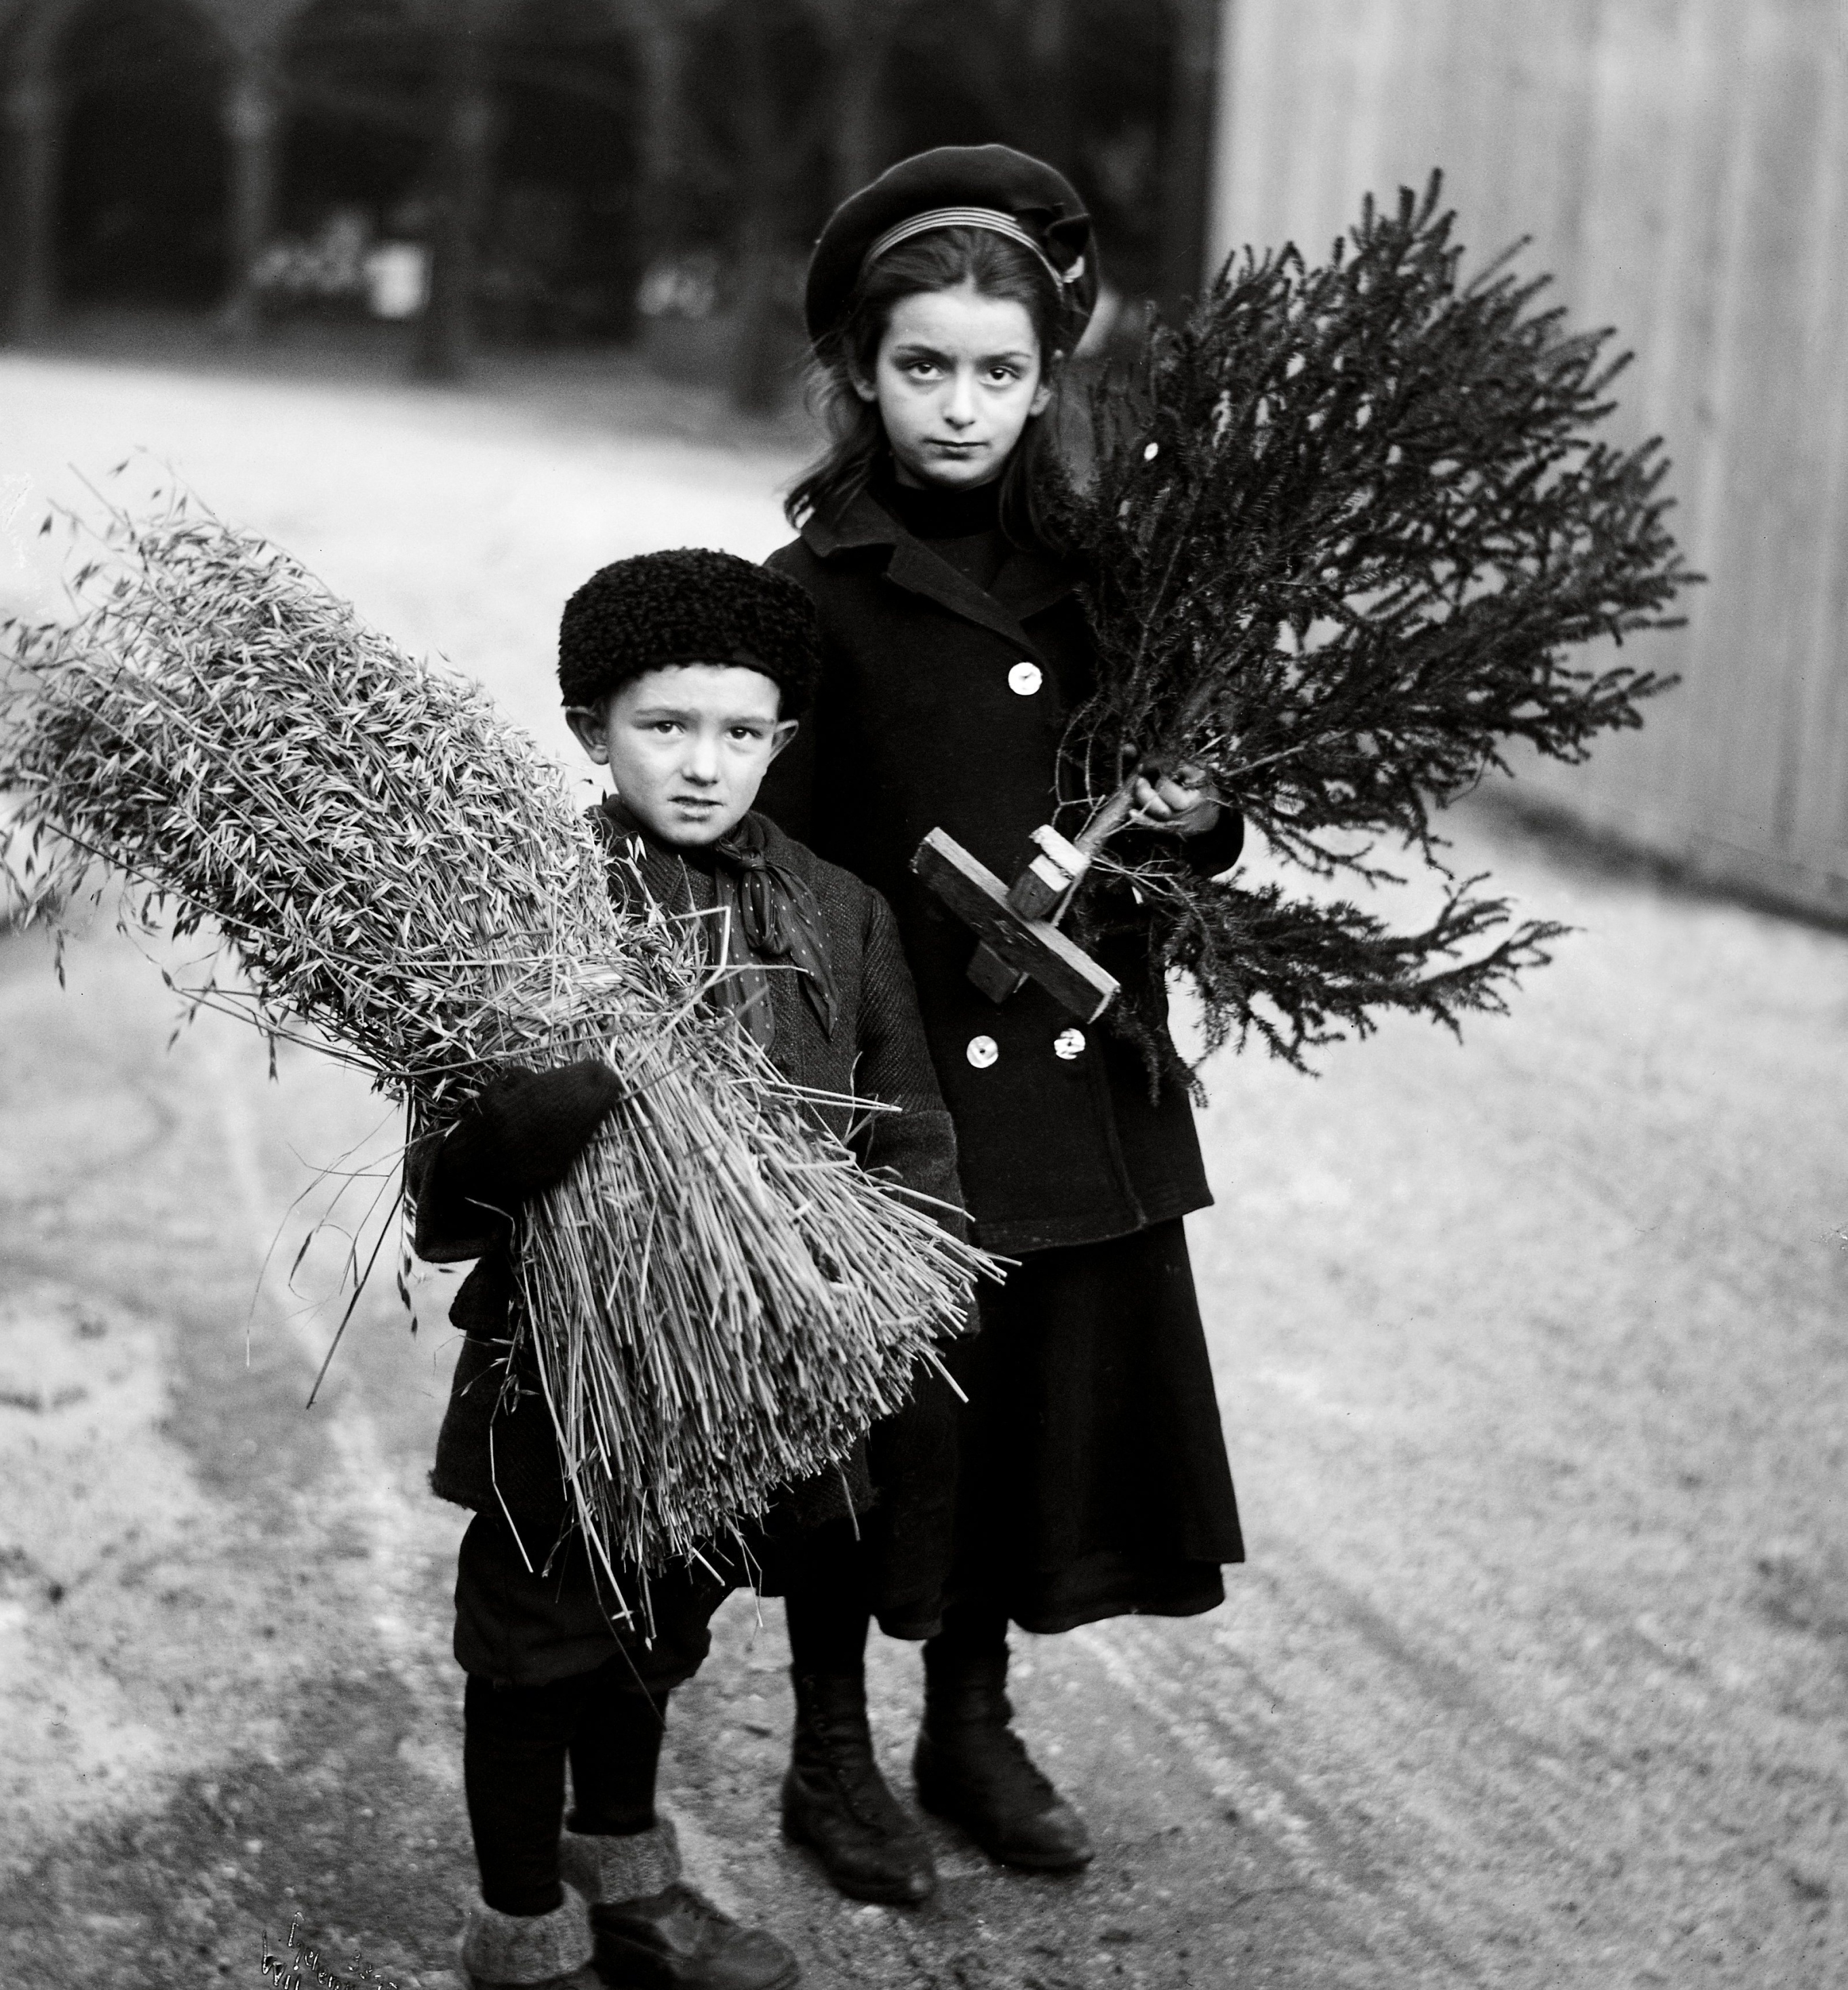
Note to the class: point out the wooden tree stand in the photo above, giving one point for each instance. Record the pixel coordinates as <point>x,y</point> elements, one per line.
<point>1016,926</point>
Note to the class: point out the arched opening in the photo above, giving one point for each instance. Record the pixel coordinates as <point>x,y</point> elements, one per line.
<point>367,161</point>
<point>757,106</point>
<point>359,102</point>
<point>141,195</point>
<point>562,253</point>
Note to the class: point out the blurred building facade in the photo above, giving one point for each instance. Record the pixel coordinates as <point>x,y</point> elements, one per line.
<point>1682,168</point>
<point>556,168</point>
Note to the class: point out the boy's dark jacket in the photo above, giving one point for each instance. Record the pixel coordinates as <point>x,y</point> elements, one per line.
<point>915,727</point>
<point>874,1050</point>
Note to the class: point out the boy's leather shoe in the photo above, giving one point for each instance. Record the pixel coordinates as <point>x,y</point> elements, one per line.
<point>652,1931</point>
<point>835,1801</point>
<point>972,1768</point>
<point>677,1940</point>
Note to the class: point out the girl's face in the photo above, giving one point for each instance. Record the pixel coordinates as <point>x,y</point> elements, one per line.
<point>957,378</point>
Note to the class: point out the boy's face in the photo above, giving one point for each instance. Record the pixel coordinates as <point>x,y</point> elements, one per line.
<point>687,746</point>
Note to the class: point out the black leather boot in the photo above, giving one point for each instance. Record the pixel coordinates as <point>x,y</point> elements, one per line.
<point>972,1768</point>
<point>835,1801</point>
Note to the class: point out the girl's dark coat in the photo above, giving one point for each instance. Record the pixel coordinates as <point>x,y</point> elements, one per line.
<point>915,728</point>
<point>1094,1478</point>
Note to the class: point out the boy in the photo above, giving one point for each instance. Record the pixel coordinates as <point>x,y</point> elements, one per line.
<point>683,673</point>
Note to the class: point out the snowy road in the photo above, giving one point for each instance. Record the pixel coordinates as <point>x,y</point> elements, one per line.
<point>1531,1355</point>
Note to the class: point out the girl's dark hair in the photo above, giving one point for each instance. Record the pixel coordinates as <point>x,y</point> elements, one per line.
<point>942,260</point>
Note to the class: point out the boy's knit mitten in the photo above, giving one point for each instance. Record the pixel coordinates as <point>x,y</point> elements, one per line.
<point>518,1138</point>
<point>528,1952</point>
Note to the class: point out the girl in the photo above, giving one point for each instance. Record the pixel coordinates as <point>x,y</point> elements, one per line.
<point>942,300</point>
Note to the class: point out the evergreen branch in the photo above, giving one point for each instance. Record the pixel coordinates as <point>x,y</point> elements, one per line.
<point>1345,528</point>
<point>1301,974</point>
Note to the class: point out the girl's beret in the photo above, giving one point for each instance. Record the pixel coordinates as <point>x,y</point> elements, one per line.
<point>967,186</point>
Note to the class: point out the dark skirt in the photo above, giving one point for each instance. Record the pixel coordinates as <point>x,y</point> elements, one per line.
<point>895,1558</point>
<point>1094,1479</point>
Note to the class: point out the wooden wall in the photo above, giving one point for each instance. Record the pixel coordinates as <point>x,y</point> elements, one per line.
<point>1682,166</point>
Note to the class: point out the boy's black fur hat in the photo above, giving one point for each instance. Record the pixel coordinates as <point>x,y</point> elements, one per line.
<point>1036,197</point>
<point>692,606</point>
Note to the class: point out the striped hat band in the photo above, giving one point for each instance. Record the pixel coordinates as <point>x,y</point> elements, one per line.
<point>992,218</point>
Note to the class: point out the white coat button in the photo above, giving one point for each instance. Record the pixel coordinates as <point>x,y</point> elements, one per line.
<point>982,1051</point>
<point>1024,679</point>
<point>1069,1043</point>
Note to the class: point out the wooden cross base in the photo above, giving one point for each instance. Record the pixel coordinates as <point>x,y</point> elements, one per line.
<point>1013,948</point>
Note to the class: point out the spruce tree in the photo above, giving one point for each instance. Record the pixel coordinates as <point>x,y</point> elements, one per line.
<point>1345,530</point>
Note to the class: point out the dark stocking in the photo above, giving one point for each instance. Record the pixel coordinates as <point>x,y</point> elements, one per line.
<point>515,1742</point>
<point>973,1636</point>
<point>614,1755</point>
<point>513,1745</point>
<point>827,1632</point>
<point>825,1604</point>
